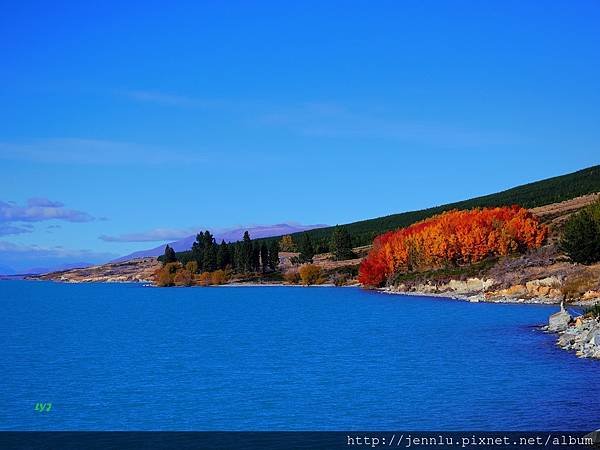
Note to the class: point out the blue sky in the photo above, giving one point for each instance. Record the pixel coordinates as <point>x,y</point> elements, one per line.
<point>148,121</point>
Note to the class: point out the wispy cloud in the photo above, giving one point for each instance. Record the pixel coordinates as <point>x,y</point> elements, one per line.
<point>159,97</point>
<point>157,234</point>
<point>331,120</point>
<point>40,209</point>
<point>8,229</point>
<point>96,152</point>
<point>169,99</point>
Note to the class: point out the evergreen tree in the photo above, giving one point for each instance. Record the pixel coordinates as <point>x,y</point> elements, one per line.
<point>223,255</point>
<point>581,236</point>
<point>341,244</point>
<point>307,250</point>
<point>255,257</point>
<point>264,257</point>
<point>198,251</point>
<point>246,253</point>
<point>209,261</point>
<point>274,255</point>
<point>236,254</point>
<point>169,256</point>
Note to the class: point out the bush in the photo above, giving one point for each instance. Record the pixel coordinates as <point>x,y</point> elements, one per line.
<point>192,266</point>
<point>165,276</point>
<point>219,277</point>
<point>205,279</point>
<point>340,279</point>
<point>183,277</point>
<point>311,274</point>
<point>593,311</point>
<point>580,238</point>
<point>292,277</point>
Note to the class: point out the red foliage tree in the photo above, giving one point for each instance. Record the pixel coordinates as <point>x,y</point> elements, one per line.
<point>452,238</point>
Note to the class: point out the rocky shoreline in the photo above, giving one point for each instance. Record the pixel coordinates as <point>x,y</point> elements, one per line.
<point>540,291</point>
<point>580,334</point>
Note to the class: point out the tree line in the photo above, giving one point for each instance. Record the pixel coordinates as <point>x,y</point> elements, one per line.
<point>245,256</point>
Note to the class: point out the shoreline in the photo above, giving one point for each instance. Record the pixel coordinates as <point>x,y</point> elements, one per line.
<point>480,298</point>
<point>465,297</point>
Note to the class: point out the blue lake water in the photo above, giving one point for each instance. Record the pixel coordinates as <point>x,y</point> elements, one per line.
<point>129,357</point>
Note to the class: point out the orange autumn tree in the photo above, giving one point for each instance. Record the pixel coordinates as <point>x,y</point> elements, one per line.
<point>451,239</point>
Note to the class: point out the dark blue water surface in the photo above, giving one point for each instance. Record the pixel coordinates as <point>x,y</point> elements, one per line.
<point>129,357</point>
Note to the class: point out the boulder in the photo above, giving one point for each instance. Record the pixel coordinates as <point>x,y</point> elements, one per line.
<point>559,321</point>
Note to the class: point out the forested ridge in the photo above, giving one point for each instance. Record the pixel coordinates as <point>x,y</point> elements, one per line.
<point>531,195</point>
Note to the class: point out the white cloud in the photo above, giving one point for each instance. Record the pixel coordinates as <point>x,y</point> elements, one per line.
<point>40,209</point>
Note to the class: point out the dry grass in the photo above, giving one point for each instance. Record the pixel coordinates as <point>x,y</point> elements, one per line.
<point>577,284</point>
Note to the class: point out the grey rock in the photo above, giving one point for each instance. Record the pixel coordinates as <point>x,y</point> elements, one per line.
<point>559,321</point>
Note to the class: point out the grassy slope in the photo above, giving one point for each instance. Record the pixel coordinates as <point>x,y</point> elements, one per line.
<point>538,193</point>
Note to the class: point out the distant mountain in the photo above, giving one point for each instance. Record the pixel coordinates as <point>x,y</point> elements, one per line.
<point>58,268</point>
<point>233,235</point>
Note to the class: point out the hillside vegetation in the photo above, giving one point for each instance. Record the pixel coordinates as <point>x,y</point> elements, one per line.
<point>452,239</point>
<point>531,195</point>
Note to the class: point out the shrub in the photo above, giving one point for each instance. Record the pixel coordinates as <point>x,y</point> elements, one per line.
<point>183,277</point>
<point>340,279</point>
<point>205,279</point>
<point>292,277</point>
<point>192,266</point>
<point>311,274</point>
<point>219,277</point>
<point>580,238</point>
<point>165,276</point>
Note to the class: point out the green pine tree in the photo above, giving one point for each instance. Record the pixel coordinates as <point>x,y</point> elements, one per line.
<point>209,261</point>
<point>307,250</point>
<point>580,238</point>
<point>274,255</point>
<point>169,256</point>
<point>223,256</point>
<point>198,251</point>
<point>341,244</point>
<point>246,253</point>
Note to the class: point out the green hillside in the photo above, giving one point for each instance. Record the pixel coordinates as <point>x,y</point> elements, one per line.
<point>529,195</point>
<point>538,193</point>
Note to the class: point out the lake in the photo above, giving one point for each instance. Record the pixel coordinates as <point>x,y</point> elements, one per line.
<point>130,357</point>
